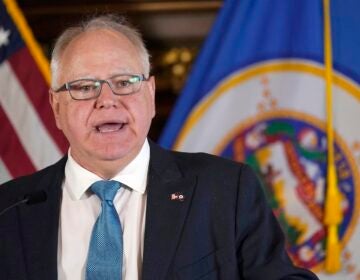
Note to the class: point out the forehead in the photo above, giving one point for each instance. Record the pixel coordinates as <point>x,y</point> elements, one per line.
<point>99,53</point>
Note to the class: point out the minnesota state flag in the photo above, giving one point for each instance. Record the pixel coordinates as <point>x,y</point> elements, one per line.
<point>276,85</point>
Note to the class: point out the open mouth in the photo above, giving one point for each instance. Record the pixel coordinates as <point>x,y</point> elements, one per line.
<point>109,127</point>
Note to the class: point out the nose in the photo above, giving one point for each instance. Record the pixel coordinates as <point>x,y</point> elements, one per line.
<point>107,98</point>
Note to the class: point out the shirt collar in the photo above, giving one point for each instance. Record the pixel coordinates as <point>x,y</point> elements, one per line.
<point>134,175</point>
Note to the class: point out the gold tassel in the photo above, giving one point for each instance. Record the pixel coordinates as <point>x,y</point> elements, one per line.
<point>333,218</point>
<point>333,251</point>
<point>333,212</point>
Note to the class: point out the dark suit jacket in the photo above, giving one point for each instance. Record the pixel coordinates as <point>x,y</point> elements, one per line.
<point>223,229</point>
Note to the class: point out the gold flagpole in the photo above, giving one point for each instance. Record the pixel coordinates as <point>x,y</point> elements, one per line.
<point>28,37</point>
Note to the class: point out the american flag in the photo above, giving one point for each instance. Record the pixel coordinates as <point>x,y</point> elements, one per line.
<point>29,138</point>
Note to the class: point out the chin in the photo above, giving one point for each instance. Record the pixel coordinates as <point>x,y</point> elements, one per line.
<point>115,154</point>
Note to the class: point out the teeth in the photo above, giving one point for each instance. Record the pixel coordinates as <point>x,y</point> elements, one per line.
<point>109,127</point>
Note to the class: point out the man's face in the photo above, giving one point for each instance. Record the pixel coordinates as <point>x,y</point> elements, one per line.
<point>109,131</point>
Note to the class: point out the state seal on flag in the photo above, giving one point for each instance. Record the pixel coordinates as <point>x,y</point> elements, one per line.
<point>272,116</point>
<point>288,151</point>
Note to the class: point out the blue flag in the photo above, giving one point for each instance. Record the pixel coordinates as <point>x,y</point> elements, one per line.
<point>257,94</point>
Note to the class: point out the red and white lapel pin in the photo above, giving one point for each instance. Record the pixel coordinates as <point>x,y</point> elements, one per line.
<point>177,196</point>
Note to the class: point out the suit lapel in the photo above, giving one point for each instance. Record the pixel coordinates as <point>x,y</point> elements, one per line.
<point>165,216</point>
<point>39,226</point>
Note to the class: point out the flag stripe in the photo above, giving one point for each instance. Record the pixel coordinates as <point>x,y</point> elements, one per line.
<point>13,149</point>
<point>29,137</point>
<point>4,173</point>
<point>36,88</point>
<point>33,135</point>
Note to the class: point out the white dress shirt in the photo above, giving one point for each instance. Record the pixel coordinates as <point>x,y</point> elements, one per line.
<point>80,209</point>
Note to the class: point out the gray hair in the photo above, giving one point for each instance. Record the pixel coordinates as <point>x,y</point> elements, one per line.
<point>110,22</point>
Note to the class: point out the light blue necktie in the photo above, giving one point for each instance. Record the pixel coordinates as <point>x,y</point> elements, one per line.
<point>105,254</point>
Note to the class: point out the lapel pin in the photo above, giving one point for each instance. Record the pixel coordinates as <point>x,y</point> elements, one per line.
<point>177,196</point>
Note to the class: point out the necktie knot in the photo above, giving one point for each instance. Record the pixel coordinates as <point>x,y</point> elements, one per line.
<point>105,190</point>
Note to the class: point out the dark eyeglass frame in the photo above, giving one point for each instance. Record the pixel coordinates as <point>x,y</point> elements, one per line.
<point>66,86</point>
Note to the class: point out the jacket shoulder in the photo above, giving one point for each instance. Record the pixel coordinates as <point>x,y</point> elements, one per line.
<point>196,162</point>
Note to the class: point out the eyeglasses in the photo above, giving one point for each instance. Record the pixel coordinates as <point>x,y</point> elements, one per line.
<point>85,89</point>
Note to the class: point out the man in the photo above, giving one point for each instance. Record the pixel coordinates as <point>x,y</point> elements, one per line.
<point>177,215</point>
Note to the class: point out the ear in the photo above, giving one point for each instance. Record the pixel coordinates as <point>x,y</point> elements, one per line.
<point>151,86</point>
<point>55,105</point>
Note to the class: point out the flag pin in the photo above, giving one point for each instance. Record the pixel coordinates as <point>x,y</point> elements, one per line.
<point>177,196</point>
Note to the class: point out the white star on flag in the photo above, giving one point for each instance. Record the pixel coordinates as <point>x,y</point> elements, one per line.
<point>4,36</point>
